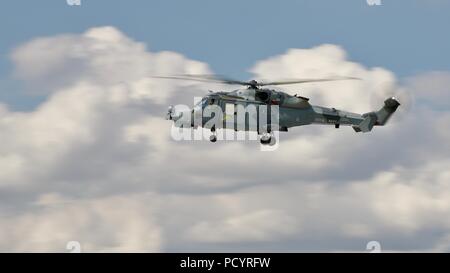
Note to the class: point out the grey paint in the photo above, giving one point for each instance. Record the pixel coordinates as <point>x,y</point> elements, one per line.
<point>296,111</point>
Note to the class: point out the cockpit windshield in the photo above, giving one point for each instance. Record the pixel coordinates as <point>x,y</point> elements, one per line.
<point>202,103</point>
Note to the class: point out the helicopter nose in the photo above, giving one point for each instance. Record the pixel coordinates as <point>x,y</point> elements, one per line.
<point>170,112</point>
<point>173,113</point>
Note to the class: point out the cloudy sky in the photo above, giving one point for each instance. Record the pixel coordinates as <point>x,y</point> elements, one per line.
<point>86,154</point>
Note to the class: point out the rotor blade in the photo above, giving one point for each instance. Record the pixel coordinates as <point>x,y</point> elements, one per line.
<point>306,81</point>
<point>224,80</point>
<point>203,78</point>
<point>215,78</point>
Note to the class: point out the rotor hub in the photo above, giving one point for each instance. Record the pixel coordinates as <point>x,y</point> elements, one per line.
<point>253,84</point>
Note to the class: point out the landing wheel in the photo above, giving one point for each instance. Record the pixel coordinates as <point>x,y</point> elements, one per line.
<point>213,136</point>
<point>266,139</point>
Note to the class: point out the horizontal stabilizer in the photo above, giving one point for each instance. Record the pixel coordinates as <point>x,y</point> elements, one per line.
<point>367,124</point>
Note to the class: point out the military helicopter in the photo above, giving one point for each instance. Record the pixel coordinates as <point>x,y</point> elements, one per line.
<point>293,110</point>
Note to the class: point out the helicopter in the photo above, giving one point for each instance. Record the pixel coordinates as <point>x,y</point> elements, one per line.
<point>292,110</point>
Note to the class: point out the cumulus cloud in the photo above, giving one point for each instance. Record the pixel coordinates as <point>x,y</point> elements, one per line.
<point>104,224</point>
<point>432,88</point>
<point>95,162</point>
<point>328,61</point>
<point>254,226</point>
<point>100,56</point>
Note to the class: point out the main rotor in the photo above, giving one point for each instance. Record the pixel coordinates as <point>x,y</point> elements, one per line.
<point>253,84</point>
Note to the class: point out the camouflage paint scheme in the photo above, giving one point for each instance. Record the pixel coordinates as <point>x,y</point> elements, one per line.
<point>293,110</point>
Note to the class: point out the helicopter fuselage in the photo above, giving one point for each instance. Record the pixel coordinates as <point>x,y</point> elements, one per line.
<point>292,110</point>
<point>253,109</point>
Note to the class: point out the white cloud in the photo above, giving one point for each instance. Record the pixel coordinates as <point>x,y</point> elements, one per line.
<point>103,224</point>
<point>95,162</point>
<point>432,88</point>
<point>328,61</point>
<point>101,56</point>
<point>262,225</point>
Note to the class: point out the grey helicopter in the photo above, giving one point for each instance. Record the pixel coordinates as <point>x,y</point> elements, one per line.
<point>293,110</point>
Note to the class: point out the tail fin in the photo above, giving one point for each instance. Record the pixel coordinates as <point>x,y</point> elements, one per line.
<point>383,115</point>
<point>379,117</point>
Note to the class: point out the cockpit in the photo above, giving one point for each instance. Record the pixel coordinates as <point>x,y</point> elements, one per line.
<point>202,103</point>
<point>205,102</point>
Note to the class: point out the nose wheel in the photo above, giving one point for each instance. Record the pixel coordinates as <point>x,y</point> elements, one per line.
<point>213,136</point>
<point>267,139</point>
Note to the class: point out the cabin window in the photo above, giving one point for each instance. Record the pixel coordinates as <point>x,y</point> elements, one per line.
<point>261,95</point>
<point>202,103</point>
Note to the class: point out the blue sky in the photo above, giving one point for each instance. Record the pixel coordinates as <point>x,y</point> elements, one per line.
<point>405,36</point>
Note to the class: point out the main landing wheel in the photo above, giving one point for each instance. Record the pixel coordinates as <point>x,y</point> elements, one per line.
<point>266,139</point>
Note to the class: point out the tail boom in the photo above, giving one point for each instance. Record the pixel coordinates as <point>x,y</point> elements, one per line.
<point>378,118</point>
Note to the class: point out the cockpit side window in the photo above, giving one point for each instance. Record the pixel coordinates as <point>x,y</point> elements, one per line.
<point>202,103</point>
<point>206,101</point>
<point>262,96</point>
